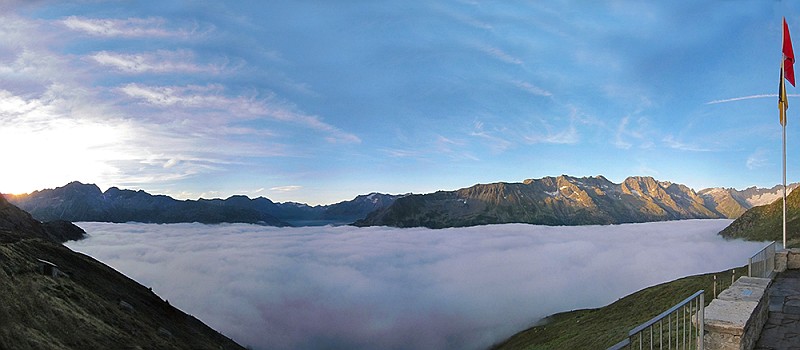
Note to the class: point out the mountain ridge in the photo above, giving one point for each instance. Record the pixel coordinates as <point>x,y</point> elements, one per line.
<point>86,202</point>
<point>563,200</point>
<point>560,200</point>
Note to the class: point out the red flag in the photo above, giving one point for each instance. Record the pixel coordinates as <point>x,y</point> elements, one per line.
<point>788,55</point>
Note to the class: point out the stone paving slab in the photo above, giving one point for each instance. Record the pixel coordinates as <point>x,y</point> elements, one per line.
<point>782,330</point>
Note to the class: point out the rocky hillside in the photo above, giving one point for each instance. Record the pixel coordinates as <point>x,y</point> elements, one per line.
<point>86,202</point>
<point>562,200</point>
<point>765,223</point>
<point>81,303</point>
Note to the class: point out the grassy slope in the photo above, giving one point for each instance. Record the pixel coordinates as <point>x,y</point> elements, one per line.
<point>83,312</point>
<point>603,327</point>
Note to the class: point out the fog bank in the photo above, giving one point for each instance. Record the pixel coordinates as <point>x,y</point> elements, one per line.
<point>378,287</point>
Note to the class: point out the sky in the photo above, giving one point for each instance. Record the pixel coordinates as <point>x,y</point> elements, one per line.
<point>318,101</point>
<point>387,288</point>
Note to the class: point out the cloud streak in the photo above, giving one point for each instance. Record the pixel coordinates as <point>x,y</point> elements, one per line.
<point>379,287</point>
<point>127,28</point>
<point>289,188</point>
<point>751,97</point>
<point>673,143</point>
<point>757,159</point>
<point>162,61</point>
<point>212,97</point>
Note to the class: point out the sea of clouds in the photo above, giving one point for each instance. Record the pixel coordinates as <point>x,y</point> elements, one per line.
<point>388,288</point>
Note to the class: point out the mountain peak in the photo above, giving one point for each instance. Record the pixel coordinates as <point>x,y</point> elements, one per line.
<point>77,186</point>
<point>639,178</point>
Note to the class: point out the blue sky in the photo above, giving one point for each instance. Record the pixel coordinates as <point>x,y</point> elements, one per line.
<point>319,101</point>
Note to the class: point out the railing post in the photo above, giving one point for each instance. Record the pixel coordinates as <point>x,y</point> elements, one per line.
<point>701,321</point>
<point>749,267</point>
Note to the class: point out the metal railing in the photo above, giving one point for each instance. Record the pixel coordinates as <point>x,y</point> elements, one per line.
<point>680,327</point>
<point>722,284</point>
<point>762,264</point>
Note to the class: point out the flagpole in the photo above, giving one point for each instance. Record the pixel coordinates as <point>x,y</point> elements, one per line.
<point>784,178</point>
<point>783,114</point>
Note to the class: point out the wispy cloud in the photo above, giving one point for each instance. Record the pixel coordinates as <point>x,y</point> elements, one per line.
<point>499,54</point>
<point>128,27</point>
<point>671,142</point>
<point>237,107</point>
<point>401,153</point>
<point>632,131</point>
<point>644,169</point>
<point>113,147</point>
<point>193,96</point>
<point>619,142</point>
<point>161,61</point>
<point>564,134</point>
<point>430,150</point>
<point>469,20</point>
<point>289,188</point>
<point>50,109</point>
<point>757,159</point>
<point>567,136</point>
<point>496,143</point>
<point>452,148</point>
<point>532,89</point>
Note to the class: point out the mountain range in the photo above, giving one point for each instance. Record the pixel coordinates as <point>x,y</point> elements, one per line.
<point>55,298</point>
<point>566,200</point>
<point>86,202</point>
<point>562,200</point>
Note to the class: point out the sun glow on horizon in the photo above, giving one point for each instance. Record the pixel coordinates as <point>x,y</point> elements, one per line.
<point>57,152</point>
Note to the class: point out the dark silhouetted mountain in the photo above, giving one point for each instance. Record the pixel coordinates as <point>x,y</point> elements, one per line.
<point>562,200</point>
<point>340,213</point>
<point>54,298</point>
<point>14,219</point>
<point>86,202</point>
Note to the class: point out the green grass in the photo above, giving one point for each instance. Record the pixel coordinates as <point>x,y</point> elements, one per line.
<point>82,311</point>
<point>603,327</point>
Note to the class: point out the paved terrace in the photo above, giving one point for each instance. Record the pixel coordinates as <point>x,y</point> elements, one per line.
<point>782,330</point>
<point>758,313</point>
